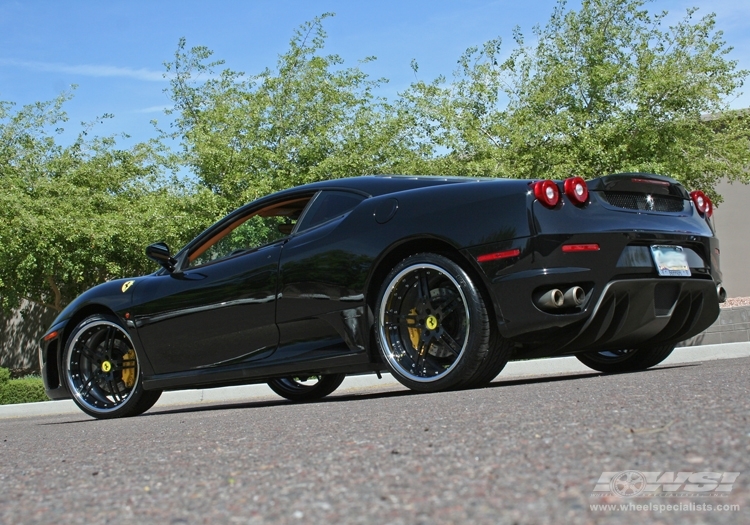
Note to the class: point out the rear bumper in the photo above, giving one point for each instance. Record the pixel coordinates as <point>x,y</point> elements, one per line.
<point>646,312</point>
<point>627,304</point>
<point>628,313</point>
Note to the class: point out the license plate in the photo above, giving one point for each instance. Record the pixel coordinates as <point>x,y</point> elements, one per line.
<point>670,261</point>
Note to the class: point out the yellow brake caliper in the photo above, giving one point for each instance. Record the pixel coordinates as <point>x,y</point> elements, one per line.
<point>128,374</point>
<point>415,332</point>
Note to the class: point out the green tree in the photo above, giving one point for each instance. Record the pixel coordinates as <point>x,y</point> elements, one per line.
<point>74,216</point>
<point>309,119</point>
<point>603,89</point>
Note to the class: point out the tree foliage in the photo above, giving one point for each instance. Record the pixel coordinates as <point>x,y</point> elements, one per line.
<point>607,88</point>
<point>309,119</point>
<point>75,216</point>
<point>603,89</point>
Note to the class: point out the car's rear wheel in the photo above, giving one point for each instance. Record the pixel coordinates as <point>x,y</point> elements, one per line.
<point>626,360</point>
<point>102,370</point>
<point>497,357</point>
<point>306,388</point>
<point>433,329</point>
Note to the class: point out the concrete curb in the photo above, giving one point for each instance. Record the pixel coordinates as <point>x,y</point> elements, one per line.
<point>245,393</point>
<point>732,326</point>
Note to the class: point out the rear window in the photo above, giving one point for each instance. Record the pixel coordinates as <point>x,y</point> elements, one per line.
<point>329,205</point>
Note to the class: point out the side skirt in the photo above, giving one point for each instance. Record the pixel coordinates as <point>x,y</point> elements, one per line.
<point>352,363</point>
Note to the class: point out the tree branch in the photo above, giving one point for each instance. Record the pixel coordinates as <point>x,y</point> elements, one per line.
<point>492,139</point>
<point>56,292</point>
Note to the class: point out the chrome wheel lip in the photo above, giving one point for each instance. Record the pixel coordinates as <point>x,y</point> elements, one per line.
<point>70,373</point>
<point>385,342</point>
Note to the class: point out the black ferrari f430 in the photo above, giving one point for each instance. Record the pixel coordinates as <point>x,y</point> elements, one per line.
<point>439,281</point>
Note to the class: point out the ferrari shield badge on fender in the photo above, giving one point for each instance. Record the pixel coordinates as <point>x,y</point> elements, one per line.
<point>126,285</point>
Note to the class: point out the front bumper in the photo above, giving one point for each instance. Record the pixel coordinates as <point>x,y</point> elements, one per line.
<point>50,356</point>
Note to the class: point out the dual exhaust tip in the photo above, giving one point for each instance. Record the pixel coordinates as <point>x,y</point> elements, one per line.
<point>575,296</point>
<point>556,298</point>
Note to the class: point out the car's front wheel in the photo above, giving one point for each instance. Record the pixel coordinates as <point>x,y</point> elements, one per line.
<point>306,388</point>
<point>433,329</point>
<point>627,360</point>
<point>102,370</point>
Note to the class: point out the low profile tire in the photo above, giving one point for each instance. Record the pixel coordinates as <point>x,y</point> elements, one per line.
<point>493,363</point>
<point>433,330</point>
<point>306,388</point>
<point>102,371</point>
<point>631,360</point>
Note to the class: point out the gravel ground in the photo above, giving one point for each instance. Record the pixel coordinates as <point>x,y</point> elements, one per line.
<point>731,302</point>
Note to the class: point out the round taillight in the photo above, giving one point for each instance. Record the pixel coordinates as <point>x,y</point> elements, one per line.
<point>576,190</point>
<point>702,203</point>
<point>547,192</point>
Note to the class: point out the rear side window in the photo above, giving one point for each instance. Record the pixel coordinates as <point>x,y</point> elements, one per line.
<point>329,205</point>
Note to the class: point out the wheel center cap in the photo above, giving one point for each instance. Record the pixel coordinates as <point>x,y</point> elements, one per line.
<point>431,322</point>
<point>106,366</point>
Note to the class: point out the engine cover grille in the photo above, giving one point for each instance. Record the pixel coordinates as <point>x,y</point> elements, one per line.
<point>640,201</point>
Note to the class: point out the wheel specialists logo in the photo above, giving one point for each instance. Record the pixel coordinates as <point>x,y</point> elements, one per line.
<point>635,483</point>
<point>628,483</point>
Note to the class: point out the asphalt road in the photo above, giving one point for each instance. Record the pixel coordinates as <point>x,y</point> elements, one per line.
<point>520,451</point>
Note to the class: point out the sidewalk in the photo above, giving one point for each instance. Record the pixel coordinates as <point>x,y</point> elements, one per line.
<point>514,370</point>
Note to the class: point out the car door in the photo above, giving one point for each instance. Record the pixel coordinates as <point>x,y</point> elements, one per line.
<point>321,280</point>
<point>218,309</point>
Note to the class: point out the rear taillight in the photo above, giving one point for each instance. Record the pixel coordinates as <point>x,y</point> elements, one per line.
<point>576,190</point>
<point>547,192</point>
<point>702,203</point>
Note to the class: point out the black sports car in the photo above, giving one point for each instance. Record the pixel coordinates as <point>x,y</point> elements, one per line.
<point>439,281</point>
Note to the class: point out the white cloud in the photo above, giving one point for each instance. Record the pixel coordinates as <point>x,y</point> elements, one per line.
<point>154,109</point>
<point>89,70</point>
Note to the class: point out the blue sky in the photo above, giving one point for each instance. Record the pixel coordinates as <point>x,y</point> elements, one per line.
<point>114,50</point>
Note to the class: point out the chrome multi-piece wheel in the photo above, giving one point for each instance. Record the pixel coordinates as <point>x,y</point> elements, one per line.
<point>306,388</point>
<point>433,330</point>
<point>626,360</point>
<point>102,371</point>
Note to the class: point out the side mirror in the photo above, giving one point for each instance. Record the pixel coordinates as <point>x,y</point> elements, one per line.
<point>159,252</point>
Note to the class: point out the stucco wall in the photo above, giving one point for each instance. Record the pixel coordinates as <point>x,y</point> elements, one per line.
<point>732,220</point>
<point>20,334</point>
